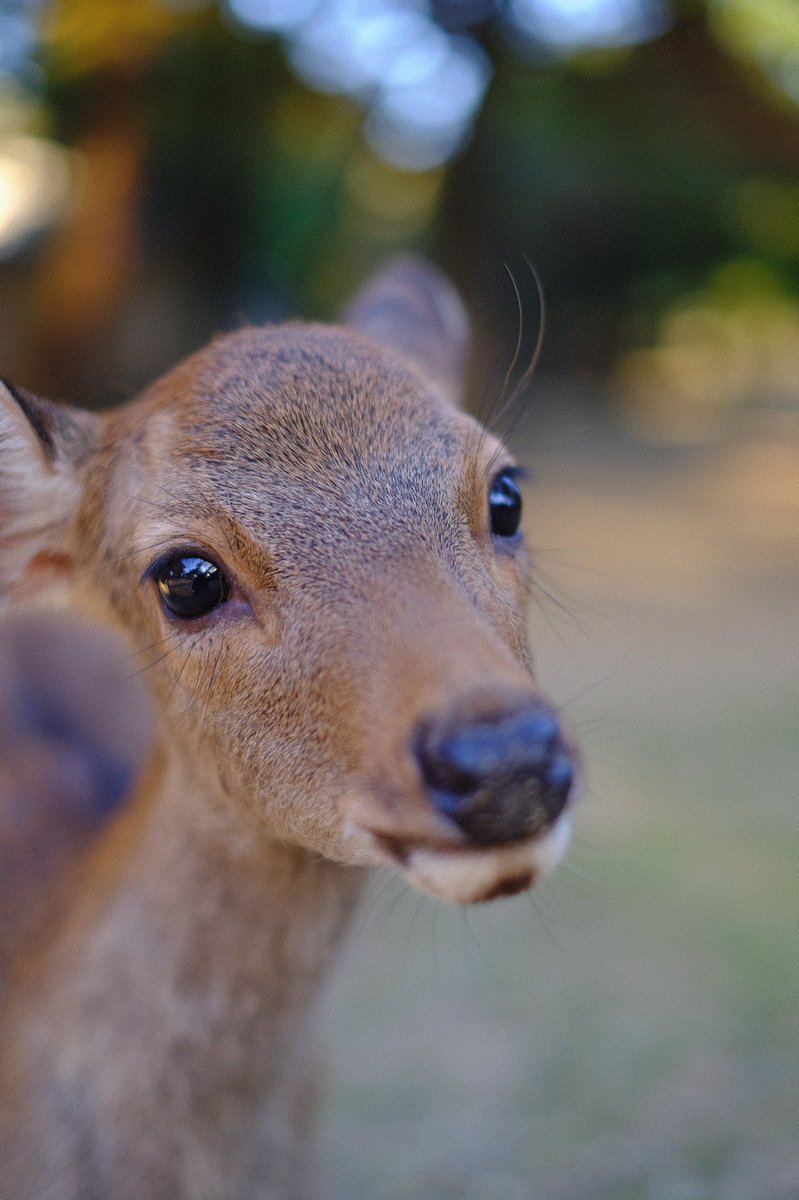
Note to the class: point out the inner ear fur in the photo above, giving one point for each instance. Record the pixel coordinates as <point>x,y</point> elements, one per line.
<point>42,449</point>
<point>412,307</point>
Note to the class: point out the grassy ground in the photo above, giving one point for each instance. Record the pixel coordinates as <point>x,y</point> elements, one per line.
<point>631,1031</point>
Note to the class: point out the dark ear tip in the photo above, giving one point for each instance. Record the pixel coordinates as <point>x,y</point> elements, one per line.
<point>60,430</point>
<point>34,412</point>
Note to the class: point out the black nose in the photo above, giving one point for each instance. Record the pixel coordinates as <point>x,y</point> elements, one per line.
<point>499,777</point>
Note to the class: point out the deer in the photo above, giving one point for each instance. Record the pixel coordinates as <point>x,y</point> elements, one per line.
<point>315,557</point>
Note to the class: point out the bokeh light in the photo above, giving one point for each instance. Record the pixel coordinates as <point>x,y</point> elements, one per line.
<point>734,342</point>
<point>766,31</point>
<point>19,21</point>
<point>421,86</point>
<point>577,24</point>
<point>35,187</point>
<point>272,16</point>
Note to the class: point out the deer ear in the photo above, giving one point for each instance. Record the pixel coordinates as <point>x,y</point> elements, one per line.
<point>42,446</point>
<point>412,307</point>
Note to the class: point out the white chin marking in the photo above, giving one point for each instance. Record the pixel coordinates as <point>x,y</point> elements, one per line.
<point>469,876</point>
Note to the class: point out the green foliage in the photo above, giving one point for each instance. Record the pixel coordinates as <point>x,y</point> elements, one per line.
<point>629,176</point>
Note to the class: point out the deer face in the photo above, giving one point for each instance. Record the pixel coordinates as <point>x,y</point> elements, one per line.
<point>318,558</point>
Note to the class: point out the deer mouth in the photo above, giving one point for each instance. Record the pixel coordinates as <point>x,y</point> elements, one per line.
<point>463,874</point>
<point>486,812</point>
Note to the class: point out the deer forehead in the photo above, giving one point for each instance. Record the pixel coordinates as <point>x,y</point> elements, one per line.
<point>297,387</point>
<point>298,422</point>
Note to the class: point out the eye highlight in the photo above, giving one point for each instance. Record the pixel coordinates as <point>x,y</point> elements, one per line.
<point>505,504</point>
<point>189,585</point>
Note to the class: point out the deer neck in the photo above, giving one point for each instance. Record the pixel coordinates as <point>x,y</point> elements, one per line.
<point>188,1007</point>
<point>239,923</point>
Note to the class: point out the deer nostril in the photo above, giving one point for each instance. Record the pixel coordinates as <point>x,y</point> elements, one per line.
<point>499,778</point>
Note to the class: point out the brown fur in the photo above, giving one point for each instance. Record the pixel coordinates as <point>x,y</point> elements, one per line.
<point>162,1045</point>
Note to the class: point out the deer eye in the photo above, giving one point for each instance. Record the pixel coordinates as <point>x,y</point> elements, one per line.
<point>190,586</point>
<point>505,505</point>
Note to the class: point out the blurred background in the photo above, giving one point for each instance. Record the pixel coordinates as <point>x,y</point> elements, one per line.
<point>173,168</point>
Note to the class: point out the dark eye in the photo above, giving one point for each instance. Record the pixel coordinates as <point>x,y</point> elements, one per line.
<point>190,586</point>
<point>505,505</point>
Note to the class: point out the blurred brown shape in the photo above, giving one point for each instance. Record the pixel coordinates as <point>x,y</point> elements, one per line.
<point>75,730</point>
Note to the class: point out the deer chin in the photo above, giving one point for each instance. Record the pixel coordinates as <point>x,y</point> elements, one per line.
<point>471,875</point>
